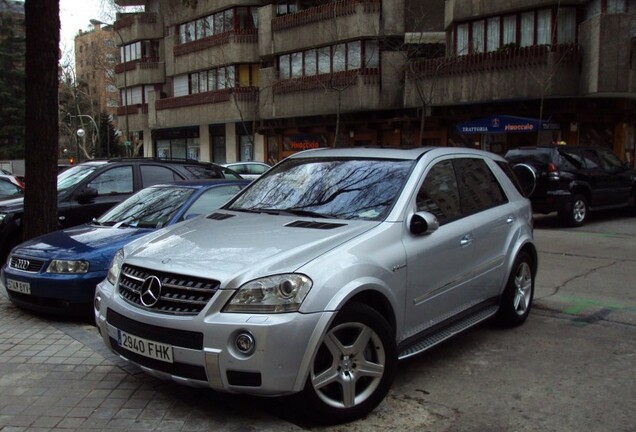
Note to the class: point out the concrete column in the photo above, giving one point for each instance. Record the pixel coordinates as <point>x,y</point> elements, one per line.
<point>231,146</point>
<point>204,143</point>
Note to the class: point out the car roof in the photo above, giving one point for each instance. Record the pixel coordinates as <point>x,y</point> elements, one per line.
<point>413,153</point>
<point>202,183</point>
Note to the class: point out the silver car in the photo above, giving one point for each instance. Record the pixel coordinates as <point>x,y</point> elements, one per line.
<point>325,272</point>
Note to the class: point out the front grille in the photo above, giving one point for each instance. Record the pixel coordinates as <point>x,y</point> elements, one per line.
<point>26,264</point>
<point>180,295</point>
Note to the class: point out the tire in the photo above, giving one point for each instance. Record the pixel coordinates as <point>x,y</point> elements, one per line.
<point>516,300</point>
<point>353,368</point>
<point>577,214</point>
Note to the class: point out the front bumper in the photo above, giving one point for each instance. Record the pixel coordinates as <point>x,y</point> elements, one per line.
<point>204,346</point>
<point>54,293</point>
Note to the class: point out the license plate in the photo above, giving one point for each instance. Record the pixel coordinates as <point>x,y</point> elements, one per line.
<point>145,347</point>
<point>19,286</point>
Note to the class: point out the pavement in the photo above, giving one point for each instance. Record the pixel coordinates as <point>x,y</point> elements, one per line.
<point>58,376</point>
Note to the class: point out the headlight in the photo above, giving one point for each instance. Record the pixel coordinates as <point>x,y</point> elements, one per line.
<point>273,294</point>
<point>115,267</point>
<point>67,266</point>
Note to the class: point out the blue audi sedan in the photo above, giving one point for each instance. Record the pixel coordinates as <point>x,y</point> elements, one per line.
<point>57,272</point>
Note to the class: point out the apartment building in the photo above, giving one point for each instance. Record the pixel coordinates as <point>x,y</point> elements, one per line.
<point>96,54</point>
<point>258,80</point>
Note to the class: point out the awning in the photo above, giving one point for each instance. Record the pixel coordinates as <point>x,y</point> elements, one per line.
<point>505,124</point>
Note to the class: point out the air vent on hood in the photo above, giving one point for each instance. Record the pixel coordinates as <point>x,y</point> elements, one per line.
<point>220,216</point>
<point>314,225</point>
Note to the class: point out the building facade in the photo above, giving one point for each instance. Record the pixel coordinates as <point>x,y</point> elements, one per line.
<point>243,80</point>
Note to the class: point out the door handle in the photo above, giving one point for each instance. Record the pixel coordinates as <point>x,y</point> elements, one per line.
<point>510,219</point>
<point>466,240</point>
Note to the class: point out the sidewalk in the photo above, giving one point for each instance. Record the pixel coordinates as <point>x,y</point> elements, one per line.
<point>58,376</point>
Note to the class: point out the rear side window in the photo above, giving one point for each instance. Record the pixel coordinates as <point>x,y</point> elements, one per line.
<point>537,157</point>
<point>210,171</point>
<point>478,186</point>
<point>507,169</point>
<point>155,174</point>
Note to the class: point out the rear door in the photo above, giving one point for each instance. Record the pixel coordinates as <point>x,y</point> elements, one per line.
<point>619,183</point>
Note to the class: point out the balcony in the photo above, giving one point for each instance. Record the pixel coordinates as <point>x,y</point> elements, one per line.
<point>327,24</point>
<point>227,105</point>
<point>139,26</point>
<point>238,46</point>
<point>137,117</point>
<point>143,71</point>
<point>528,72</point>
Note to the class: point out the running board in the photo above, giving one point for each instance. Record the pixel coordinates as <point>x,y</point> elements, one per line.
<point>444,333</point>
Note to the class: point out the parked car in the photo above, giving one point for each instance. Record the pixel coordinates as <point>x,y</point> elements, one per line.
<point>324,272</point>
<point>58,272</point>
<point>87,190</point>
<point>574,180</point>
<point>7,175</point>
<point>8,189</point>
<point>249,170</point>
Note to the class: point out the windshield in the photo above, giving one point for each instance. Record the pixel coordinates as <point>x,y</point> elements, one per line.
<point>332,188</point>
<point>152,207</point>
<point>72,176</point>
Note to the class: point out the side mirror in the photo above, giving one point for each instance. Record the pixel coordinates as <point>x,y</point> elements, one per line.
<point>423,223</point>
<point>87,194</point>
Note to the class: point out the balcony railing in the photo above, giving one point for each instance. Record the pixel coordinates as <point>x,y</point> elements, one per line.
<point>144,63</point>
<point>323,13</point>
<point>141,18</point>
<point>507,58</point>
<point>237,36</point>
<point>335,80</point>
<point>242,94</point>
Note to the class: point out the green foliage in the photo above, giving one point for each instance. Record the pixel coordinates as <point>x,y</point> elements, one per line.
<point>12,90</point>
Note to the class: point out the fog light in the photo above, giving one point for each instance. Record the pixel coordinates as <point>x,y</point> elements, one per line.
<point>98,302</point>
<point>245,343</point>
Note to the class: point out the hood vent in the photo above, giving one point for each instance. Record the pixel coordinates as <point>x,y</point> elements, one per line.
<point>220,216</point>
<point>314,225</point>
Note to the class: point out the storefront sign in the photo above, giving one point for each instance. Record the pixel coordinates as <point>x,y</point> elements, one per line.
<point>505,124</point>
<point>303,142</point>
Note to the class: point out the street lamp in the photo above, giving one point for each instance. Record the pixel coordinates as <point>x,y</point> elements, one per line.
<point>98,22</point>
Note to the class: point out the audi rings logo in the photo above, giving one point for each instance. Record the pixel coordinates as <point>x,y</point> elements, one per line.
<point>150,291</point>
<point>21,264</point>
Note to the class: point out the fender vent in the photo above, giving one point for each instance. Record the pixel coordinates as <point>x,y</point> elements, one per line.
<point>314,225</point>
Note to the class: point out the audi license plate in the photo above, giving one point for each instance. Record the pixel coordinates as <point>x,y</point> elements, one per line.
<point>145,347</point>
<point>19,286</point>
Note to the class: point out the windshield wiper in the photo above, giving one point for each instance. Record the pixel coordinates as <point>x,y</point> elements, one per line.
<point>308,213</point>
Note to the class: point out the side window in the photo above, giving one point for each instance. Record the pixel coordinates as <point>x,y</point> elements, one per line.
<point>155,174</point>
<point>207,171</point>
<point>609,160</point>
<point>590,159</point>
<point>211,200</point>
<point>478,186</point>
<point>510,173</point>
<point>117,180</point>
<point>257,169</point>
<point>570,160</point>
<point>439,193</point>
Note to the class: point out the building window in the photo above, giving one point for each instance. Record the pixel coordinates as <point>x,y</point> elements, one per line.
<point>337,58</point>
<point>241,18</point>
<point>544,26</point>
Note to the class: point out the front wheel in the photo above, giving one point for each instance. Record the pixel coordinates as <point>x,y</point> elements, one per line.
<point>516,300</point>
<point>353,368</point>
<point>578,212</point>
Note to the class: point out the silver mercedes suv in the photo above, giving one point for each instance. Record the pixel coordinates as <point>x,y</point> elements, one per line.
<point>322,274</point>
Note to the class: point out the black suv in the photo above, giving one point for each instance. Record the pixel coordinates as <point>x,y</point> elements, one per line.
<point>573,180</point>
<point>87,190</point>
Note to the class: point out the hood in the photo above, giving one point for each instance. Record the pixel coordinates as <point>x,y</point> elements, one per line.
<point>95,244</point>
<point>242,246</point>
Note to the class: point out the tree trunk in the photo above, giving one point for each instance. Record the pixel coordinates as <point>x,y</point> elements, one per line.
<point>42,51</point>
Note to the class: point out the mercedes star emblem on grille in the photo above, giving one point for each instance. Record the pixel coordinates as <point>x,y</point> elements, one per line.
<point>150,291</point>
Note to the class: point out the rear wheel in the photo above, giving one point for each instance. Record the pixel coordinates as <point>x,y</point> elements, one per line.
<point>353,367</point>
<point>577,214</point>
<point>516,300</point>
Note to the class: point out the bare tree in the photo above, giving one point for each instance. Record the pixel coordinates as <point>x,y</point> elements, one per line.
<point>42,42</point>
